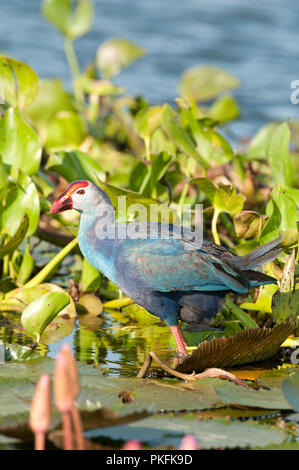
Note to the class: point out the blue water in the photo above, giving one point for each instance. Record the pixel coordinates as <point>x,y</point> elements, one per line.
<point>257,41</point>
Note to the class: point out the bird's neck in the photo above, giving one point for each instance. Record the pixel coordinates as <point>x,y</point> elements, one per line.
<point>96,239</point>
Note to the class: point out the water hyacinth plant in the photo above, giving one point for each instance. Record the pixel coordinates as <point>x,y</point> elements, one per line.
<point>166,155</point>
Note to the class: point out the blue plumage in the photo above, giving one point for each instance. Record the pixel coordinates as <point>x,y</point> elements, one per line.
<point>160,274</point>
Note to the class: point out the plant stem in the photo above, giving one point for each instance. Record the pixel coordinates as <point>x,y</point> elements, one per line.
<point>5,268</point>
<point>39,441</point>
<point>44,273</point>
<point>118,303</point>
<point>74,67</point>
<point>78,428</point>
<point>147,142</point>
<point>182,198</point>
<point>214,226</point>
<point>67,431</point>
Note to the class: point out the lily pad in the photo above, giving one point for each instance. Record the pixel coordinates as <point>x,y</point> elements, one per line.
<point>164,431</point>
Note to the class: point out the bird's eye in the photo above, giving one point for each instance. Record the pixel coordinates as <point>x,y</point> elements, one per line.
<point>81,191</point>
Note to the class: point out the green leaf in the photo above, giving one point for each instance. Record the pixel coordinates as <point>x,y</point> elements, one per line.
<point>264,300</point>
<point>51,99</point>
<point>209,144</point>
<point>178,135</point>
<point>204,83</point>
<point>26,268</point>
<point>293,193</point>
<point>98,87</point>
<point>259,144</point>
<point>227,200</point>
<point>147,120</point>
<point>19,83</point>
<point>74,165</point>
<point>207,187</point>
<point>19,145</point>
<point>91,279</point>
<point>14,241</point>
<point>224,109</point>
<point>39,313</point>
<point>278,155</point>
<point>72,18</point>
<point>132,197</point>
<point>22,198</point>
<point>283,215</point>
<point>66,130</point>
<point>155,171</point>
<point>115,54</point>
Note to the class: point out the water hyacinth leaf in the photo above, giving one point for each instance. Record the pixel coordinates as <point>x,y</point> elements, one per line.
<point>22,198</point>
<point>14,241</point>
<point>51,99</point>
<point>159,165</point>
<point>26,268</point>
<point>147,120</point>
<point>44,185</point>
<point>115,54</point>
<point>283,215</point>
<point>264,300</point>
<point>132,197</point>
<point>207,187</point>
<point>98,87</point>
<point>199,132</point>
<point>224,109</point>
<point>259,144</point>
<point>161,143</point>
<point>204,83</point>
<point>19,83</point>
<point>20,147</point>
<point>4,176</point>
<point>71,18</point>
<point>66,130</point>
<point>39,313</point>
<point>226,200</point>
<point>74,165</point>
<point>91,279</point>
<point>278,155</point>
<point>179,136</point>
<point>221,149</point>
<point>293,193</point>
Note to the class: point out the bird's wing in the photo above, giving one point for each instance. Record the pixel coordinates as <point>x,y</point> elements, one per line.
<point>166,265</point>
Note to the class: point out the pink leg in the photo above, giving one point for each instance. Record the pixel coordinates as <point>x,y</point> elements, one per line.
<point>180,340</point>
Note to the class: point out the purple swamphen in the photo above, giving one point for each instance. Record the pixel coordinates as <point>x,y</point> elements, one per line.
<point>160,274</point>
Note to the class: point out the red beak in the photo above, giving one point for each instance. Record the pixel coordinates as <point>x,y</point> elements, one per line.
<point>62,203</point>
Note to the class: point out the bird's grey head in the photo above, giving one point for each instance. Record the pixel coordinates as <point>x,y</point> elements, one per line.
<point>83,196</point>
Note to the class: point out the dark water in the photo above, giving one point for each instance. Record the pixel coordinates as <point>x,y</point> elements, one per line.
<point>257,41</point>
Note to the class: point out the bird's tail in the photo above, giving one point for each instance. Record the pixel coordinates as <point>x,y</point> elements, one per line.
<point>262,255</point>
